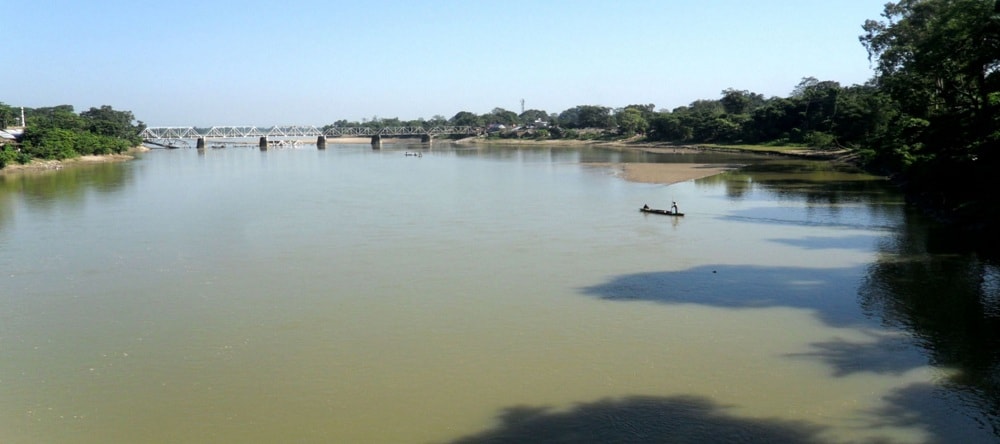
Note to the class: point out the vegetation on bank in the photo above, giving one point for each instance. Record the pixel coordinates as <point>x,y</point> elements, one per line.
<point>60,133</point>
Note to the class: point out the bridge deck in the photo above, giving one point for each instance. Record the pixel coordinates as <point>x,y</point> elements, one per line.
<point>240,132</point>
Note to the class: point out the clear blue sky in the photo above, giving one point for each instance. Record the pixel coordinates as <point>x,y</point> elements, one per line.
<point>252,62</point>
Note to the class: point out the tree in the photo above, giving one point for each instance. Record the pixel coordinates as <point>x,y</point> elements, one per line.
<point>863,116</point>
<point>587,116</point>
<point>7,115</point>
<point>816,104</point>
<point>106,121</point>
<point>61,116</point>
<point>667,126</point>
<point>939,62</point>
<point>533,115</point>
<point>740,102</point>
<point>503,117</point>
<point>438,120</point>
<point>631,122</point>
<point>465,118</point>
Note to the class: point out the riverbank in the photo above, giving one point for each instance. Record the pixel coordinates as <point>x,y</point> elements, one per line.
<point>636,143</point>
<point>670,173</point>
<point>657,173</point>
<point>664,173</point>
<point>40,165</point>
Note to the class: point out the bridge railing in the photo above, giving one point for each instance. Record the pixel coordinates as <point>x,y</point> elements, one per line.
<point>232,132</point>
<point>169,132</point>
<point>241,132</point>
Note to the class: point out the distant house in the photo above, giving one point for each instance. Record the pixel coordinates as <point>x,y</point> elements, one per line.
<point>494,127</point>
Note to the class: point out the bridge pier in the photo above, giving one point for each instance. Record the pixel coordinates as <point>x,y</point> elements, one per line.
<point>201,143</point>
<point>321,142</point>
<point>263,143</point>
<point>169,136</point>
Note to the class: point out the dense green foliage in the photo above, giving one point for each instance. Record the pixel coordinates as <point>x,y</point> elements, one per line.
<point>937,61</point>
<point>59,133</point>
<point>821,114</point>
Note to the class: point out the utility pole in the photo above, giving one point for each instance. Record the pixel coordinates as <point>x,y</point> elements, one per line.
<point>522,106</point>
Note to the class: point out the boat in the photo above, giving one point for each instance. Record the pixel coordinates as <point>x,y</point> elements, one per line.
<point>663,212</point>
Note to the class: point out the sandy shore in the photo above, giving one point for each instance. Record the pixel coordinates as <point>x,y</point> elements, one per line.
<point>664,173</point>
<point>47,165</point>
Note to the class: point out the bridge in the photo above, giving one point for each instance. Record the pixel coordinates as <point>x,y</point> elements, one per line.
<point>168,135</point>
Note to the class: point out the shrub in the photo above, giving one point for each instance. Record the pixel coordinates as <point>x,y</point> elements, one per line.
<point>6,156</point>
<point>819,139</point>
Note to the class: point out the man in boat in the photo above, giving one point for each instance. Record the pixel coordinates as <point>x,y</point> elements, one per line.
<point>645,207</point>
<point>673,208</point>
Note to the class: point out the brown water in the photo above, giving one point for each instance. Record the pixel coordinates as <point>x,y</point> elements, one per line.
<point>482,295</point>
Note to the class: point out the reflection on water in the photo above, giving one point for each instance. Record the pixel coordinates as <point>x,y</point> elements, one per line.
<point>482,295</point>
<point>50,186</point>
<point>948,299</point>
<point>45,188</point>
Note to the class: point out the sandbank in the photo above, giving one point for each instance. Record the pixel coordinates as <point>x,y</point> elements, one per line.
<point>664,173</point>
<point>46,165</point>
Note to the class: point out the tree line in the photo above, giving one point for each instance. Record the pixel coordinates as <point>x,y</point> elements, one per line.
<point>60,133</point>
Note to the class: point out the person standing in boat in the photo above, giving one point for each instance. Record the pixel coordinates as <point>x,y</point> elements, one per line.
<point>673,207</point>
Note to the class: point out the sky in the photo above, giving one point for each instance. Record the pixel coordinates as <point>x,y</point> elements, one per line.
<point>264,63</point>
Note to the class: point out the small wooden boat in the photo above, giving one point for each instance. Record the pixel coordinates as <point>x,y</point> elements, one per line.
<point>663,212</point>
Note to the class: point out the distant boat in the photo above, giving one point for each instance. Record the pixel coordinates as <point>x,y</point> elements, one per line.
<point>663,212</point>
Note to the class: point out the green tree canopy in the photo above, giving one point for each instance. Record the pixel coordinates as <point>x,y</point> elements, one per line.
<point>533,115</point>
<point>503,117</point>
<point>939,62</point>
<point>7,115</point>
<point>106,121</point>
<point>740,102</point>
<point>61,116</point>
<point>631,122</point>
<point>466,118</point>
<point>587,116</point>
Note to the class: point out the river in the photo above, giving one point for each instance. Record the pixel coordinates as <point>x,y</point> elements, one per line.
<point>470,295</point>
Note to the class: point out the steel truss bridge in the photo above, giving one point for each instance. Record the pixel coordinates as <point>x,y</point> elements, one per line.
<point>167,133</point>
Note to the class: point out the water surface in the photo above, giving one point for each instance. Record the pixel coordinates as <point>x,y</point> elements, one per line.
<point>478,295</point>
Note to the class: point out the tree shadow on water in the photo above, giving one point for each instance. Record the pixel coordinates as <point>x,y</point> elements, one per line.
<point>829,292</point>
<point>931,408</point>
<point>856,242</point>
<point>641,419</point>
<point>883,354</point>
